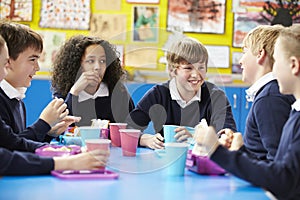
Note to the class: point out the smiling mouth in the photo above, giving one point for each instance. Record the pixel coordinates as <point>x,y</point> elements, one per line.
<point>194,81</point>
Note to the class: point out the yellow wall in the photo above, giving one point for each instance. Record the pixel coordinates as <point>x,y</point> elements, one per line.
<point>127,9</point>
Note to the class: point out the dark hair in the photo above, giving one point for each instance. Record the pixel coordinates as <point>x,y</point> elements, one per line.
<point>19,37</point>
<point>67,63</point>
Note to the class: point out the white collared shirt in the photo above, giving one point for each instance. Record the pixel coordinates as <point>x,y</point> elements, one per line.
<point>11,92</point>
<point>176,96</point>
<point>296,105</point>
<point>101,92</point>
<point>252,91</point>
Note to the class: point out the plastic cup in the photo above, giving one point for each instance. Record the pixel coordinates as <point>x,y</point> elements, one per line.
<point>129,141</point>
<point>175,158</point>
<point>94,144</point>
<point>88,132</point>
<point>115,133</point>
<point>169,132</point>
<point>97,144</point>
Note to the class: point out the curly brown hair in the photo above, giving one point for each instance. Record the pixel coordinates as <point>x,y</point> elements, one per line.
<point>67,63</point>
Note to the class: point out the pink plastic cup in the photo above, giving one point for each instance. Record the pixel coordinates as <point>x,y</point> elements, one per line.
<point>95,144</point>
<point>129,141</point>
<point>115,133</point>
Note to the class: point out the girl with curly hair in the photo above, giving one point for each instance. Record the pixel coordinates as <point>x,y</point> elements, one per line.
<point>87,73</point>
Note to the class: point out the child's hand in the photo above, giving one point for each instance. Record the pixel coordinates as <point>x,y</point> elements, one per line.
<point>92,160</point>
<point>62,126</point>
<point>54,112</point>
<point>209,139</point>
<point>182,134</point>
<point>152,141</point>
<point>237,142</point>
<point>226,136</point>
<point>89,78</point>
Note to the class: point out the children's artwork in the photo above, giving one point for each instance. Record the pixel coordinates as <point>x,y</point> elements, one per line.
<point>142,1</point>
<point>17,10</point>
<point>135,56</point>
<point>107,4</point>
<point>65,14</point>
<point>145,23</point>
<point>243,23</point>
<point>250,14</point>
<point>236,66</point>
<point>218,56</point>
<point>52,42</point>
<point>201,16</point>
<point>109,26</point>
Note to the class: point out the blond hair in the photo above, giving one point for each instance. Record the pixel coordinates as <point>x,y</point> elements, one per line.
<point>187,49</point>
<point>290,40</point>
<point>262,37</point>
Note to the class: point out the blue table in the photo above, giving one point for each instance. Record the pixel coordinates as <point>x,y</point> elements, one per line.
<point>140,177</point>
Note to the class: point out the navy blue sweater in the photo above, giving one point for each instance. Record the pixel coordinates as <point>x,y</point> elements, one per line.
<point>24,163</point>
<point>281,176</point>
<point>267,116</point>
<point>157,106</point>
<point>11,114</point>
<point>114,107</point>
<point>20,163</point>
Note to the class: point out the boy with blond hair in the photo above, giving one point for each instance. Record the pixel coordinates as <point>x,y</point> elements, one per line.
<point>270,109</point>
<point>184,100</point>
<point>280,176</point>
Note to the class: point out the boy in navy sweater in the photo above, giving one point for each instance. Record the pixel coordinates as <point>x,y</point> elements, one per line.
<point>263,125</point>
<point>282,175</point>
<point>25,163</point>
<point>25,47</point>
<point>184,100</point>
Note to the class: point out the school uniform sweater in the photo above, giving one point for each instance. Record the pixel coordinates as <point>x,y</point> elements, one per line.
<point>24,163</point>
<point>267,116</point>
<point>157,106</point>
<point>281,176</point>
<point>114,107</point>
<point>13,113</point>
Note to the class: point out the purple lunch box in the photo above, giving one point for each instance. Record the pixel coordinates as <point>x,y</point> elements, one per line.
<point>203,165</point>
<point>85,174</point>
<point>58,150</point>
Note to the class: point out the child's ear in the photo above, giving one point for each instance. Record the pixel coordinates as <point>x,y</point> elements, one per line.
<point>261,56</point>
<point>295,65</point>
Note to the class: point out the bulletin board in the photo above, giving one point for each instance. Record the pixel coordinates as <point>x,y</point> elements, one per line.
<point>114,20</point>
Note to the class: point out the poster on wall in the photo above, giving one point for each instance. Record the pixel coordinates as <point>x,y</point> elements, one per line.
<point>200,16</point>
<point>52,42</point>
<point>243,23</point>
<point>135,56</point>
<point>236,66</point>
<point>142,1</point>
<point>250,14</point>
<point>218,56</point>
<point>65,14</point>
<point>145,24</point>
<point>107,4</point>
<point>18,10</point>
<point>108,26</point>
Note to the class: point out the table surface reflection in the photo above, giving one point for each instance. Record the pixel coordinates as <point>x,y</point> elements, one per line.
<point>140,177</point>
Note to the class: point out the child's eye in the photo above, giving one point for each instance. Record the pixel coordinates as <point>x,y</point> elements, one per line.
<point>102,61</point>
<point>187,68</point>
<point>90,61</point>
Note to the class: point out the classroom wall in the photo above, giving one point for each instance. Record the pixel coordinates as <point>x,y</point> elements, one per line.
<point>127,10</point>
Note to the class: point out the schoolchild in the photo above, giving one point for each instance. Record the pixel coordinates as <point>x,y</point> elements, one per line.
<point>184,100</point>
<point>280,176</point>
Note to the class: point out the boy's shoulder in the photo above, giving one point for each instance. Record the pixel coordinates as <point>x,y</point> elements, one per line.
<point>271,89</point>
